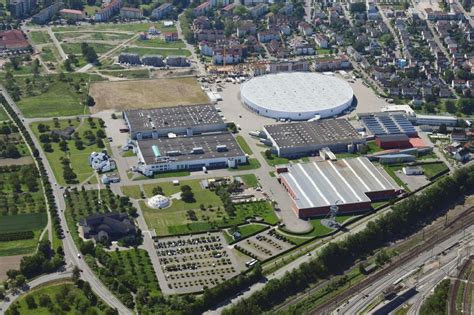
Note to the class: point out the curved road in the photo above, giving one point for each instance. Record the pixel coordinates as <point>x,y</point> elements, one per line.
<point>70,250</point>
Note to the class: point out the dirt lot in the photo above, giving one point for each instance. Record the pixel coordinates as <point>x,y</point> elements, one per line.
<point>125,95</point>
<point>7,263</point>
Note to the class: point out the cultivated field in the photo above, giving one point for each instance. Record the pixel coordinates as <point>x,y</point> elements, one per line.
<point>146,94</point>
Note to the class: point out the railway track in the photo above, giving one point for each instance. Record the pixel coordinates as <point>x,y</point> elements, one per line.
<point>467,288</point>
<point>455,288</point>
<point>462,220</point>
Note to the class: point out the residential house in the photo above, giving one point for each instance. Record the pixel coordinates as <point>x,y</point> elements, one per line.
<point>203,8</point>
<point>131,13</point>
<point>21,8</point>
<point>153,60</point>
<point>171,36</point>
<point>246,27</point>
<point>258,10</point>
<point>13,41</point>
<point>108,11</point>
<point>128,58</point>
<point>305,28</point>
<point>268,35</point>
<point>69,14</point>
<point>161,11</point>
<point>45,15</point>
<point>321,41</point>
<point>177,61</point>
<point>332,64</point>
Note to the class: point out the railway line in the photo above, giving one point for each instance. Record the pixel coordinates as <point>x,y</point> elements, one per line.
<point>440,233</point>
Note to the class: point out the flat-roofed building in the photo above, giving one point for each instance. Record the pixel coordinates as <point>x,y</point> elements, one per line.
<point>70,14</point>
<point>180,120</point>
<point>351,184</point>
<point>307,138</point>
<point>210,150</point>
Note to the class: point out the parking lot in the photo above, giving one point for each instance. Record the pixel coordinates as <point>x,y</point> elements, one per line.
<point>193,262</point>
<point>264,245</point>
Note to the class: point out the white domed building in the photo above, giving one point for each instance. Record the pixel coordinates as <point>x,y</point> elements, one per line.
<point>297,95</point>
<point>158,202</point>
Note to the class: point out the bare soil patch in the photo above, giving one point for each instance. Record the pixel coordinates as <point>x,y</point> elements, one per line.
<point>125,95</point>
<point>7,263</point>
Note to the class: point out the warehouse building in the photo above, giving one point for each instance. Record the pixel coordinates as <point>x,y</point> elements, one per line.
<point>387,123</point>
<point>210,150</point>
<point>352,184</point>
<point>307,138</point>
<point>393,141</point>
<point>179,120</point>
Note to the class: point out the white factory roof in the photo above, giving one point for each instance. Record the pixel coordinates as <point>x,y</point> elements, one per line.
<point>297,92</point>
<point>320,184</point>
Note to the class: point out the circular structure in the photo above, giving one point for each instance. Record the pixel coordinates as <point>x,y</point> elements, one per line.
<point>297,95</point>
<point>158,202</point>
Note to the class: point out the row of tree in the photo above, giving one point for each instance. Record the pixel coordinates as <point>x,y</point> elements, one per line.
<point>406,217</point>
<point>50,199</point>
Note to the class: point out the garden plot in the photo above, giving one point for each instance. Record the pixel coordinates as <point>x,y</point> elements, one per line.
<point>193,262</point>
<point>264,245</point>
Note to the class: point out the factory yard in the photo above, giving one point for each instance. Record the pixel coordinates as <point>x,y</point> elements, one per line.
<point>193,262</point>
<point>141,94</point>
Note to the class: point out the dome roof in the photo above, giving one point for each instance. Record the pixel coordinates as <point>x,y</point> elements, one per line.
<point>158,202</point>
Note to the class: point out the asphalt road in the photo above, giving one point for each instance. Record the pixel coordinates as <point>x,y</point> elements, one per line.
<point>70,250</point>
<point>11,298</point>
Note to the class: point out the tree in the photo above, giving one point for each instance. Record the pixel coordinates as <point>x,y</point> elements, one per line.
<point>268,154</point>
<point>90,101</point>
<point>157,190</point>
<point>76,274</point>
<point>357,7</point>
<point>79,144</point>
<point>186,194</point>
<point>466,105</point>
<point>100,143</point>
<point>47,147</point>
<point>63,146</point>
<point>30,301</point>
<point>450,106</point>
<point>12,151</point>
<point>15,62</point>
<point>44,300</point>
<point>68,65</point>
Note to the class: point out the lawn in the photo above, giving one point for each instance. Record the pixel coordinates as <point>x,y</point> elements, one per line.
<point>123,95</point>
<point>433,170</point>
<point>3,115</point>
<point>20,247</point>
<point>78,158</point>
<point>75,48</point>
<point>159,43</point>
<point>69,297</point>
<point>275,160</point>
<point>127,27</point>
<point>129,74</point>
<point>157,51</point>
<point>321,230</point>
<point>40,37</point>
<point>132,191</point>
<point>250,180</point>
<point>88,37</point>
<point>176,219</point>
<point>252,164</point>
<point>245,231</point>
<point>51,97</point>
<point>49,54</point>
<point>243,145</point>
<point>23,222</point>
<point>372,147</point>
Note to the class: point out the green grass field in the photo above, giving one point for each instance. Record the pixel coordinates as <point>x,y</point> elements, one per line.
<point>20,247</point>
<point>40,37</point>
<point>275,160</point>
<point>245,230</point>
<point>132,191</point>
<point>176,220</point>
<point>252,165</point>
<point>89,36</point>
<point>434,169</point>
<point>22,222</point>
<point>51,97</point>
<point>49,54</point>
<point>72,300</point>
<point>137,263</point>
<point>78,158</point>
<point>132,74</point>
<point>159,43</point>
<point>128,27</point>
<point>250,180</point>
<point>3,115</point>
<point>157,51</point>
<point>75,48</point>
<point>244,145</point>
